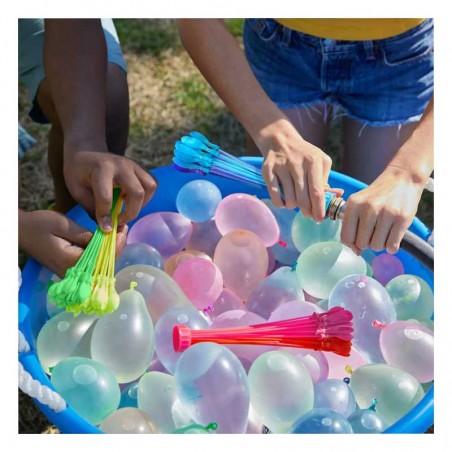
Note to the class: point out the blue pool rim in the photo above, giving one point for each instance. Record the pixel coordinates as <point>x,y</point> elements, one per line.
<point>32,312</point>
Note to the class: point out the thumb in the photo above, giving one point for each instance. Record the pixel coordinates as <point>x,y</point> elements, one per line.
<point>74,233</point>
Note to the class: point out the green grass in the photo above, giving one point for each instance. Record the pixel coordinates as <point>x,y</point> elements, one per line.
<point>235,26</point>
<point>193,94</point>
<point>147,36</point>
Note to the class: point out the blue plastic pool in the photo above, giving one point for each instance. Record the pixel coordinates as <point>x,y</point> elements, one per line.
<point>32,295</point>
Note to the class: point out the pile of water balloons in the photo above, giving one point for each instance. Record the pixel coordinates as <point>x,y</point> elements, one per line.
<point>230,262</point>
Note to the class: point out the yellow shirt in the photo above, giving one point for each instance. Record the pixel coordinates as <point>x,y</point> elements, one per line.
<point>351,29</point>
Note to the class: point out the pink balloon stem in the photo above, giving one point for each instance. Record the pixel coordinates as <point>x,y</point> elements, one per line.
<point>378,324</point>
<point>282,243</point>
<point>328,331</point>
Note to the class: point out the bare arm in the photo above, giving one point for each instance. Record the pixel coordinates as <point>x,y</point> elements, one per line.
<point>379,215</point>
<point>75,59</point>
<point>301,168</point>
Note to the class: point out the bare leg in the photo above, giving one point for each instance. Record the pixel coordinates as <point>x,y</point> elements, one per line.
<point>311,123</point>
<point>117,129</point>
<point>368,150</point>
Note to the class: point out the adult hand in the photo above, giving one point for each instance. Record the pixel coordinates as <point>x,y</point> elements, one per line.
<point>300,168</point>
<point>378,216</point>
<point>56,241</point>
<point>90,177</point>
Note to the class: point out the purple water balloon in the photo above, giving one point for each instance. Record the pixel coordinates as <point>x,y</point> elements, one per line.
<point>367,300</point>
<point>278,288</point>
<point>227,301</point>
<point>243,211</point>
<point>386,267</point>
<point>204,237</point>
<point>212,385</point>
<point>293,309</point>
<point>168,232</point>
<point>139,253</point>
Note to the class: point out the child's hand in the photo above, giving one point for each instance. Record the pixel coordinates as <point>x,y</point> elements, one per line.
<point>90,177</point>
<point>299,167</point>
<point>56,241</point>
<point>378,216</point>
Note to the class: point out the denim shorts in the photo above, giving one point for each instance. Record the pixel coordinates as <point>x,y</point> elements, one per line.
<point>385,82</point>
<point>31,65</point>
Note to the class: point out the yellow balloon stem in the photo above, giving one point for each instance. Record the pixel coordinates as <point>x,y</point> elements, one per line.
<point>348,369</point>
<point>133,284</point>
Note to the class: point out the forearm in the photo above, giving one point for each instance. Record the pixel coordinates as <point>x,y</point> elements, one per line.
<point>75,61</point>
<point>222,62</point>
<point>415,157</point>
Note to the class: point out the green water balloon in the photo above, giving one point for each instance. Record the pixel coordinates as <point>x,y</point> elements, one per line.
<point>397,391</point>
<point>412,297</point>
<point>128,420</point>
<point>281,389</point>
<point>88,387</point>
<point>157,397</point>
<point>159,290</point>
<point>64,336</point>
<point>306,232</point>
<point>124,340</point>
<point>323,264</point>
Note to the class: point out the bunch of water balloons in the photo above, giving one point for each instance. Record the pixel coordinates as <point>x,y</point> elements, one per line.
<point>233,262</point>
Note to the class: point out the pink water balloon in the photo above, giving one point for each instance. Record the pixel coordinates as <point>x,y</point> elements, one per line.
<point>409,346</point>
<point>243,211</point>
<point>168,232</point>
<point>176,259</point>
<point>200,279</point>
<point>243,260</point>
<point>339,366</point>
<point>386,267</point>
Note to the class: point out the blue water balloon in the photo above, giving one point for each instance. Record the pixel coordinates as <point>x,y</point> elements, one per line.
<point>139,253</point>
<point>198,200</point>
<point>322,420</point>
<point>335,395</point>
